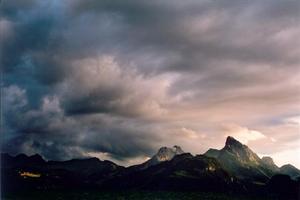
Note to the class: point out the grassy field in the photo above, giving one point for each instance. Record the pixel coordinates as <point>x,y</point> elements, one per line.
<point>96,195</point>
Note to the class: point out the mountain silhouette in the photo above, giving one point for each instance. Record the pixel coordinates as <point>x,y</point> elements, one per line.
<point>242,162</point>
<point>290,170</point>
<point>233,169</point>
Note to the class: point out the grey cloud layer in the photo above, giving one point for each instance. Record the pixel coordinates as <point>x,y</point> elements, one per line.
<point>124,77</point>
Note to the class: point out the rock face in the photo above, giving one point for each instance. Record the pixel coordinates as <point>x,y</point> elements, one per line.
<point>163,154</point>
<point>268,162</point>
<point>241,152</point>
<point>241,161</point>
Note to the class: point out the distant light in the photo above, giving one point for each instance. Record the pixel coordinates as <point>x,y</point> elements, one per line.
<point>30,174</point>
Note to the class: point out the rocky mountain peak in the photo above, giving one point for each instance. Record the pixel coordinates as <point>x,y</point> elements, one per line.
<point>177,149</point>
<point>166,153</point>
<point>241,152</point>
<point>269,163</point>
<point>267,160</point>
<point>232,142</point>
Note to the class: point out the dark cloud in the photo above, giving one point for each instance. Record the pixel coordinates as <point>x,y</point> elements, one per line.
<point>124,77</point>
<point>56,136</point>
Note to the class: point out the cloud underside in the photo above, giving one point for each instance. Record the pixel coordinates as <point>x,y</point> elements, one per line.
<point>121,78</point>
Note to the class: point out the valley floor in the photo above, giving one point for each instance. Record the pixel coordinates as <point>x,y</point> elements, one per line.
<point>96,195</point>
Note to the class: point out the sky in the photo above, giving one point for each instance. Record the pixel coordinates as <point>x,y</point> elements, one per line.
<point>119,79</point>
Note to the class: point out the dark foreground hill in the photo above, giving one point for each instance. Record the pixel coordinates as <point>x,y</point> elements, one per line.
<point>130,195</point>
<point>233,170</point>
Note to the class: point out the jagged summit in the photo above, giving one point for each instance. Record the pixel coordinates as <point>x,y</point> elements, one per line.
<point>163,154</point>
<point>241,152</point>
<point>232,142</point>
<point>268,160</point>
<point>241,161</point>
<point>178,150</point>
<point>166,153</point>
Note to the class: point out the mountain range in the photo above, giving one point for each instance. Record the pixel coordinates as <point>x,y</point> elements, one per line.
<point>235,169</point>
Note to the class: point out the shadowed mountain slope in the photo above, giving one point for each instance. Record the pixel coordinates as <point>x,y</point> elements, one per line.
<point>290,170</point>
<point>183,172</point>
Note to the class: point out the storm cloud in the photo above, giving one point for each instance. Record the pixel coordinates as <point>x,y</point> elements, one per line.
<point>119,79</point>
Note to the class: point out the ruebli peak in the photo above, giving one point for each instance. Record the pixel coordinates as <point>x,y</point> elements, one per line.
<point>241,152</point>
